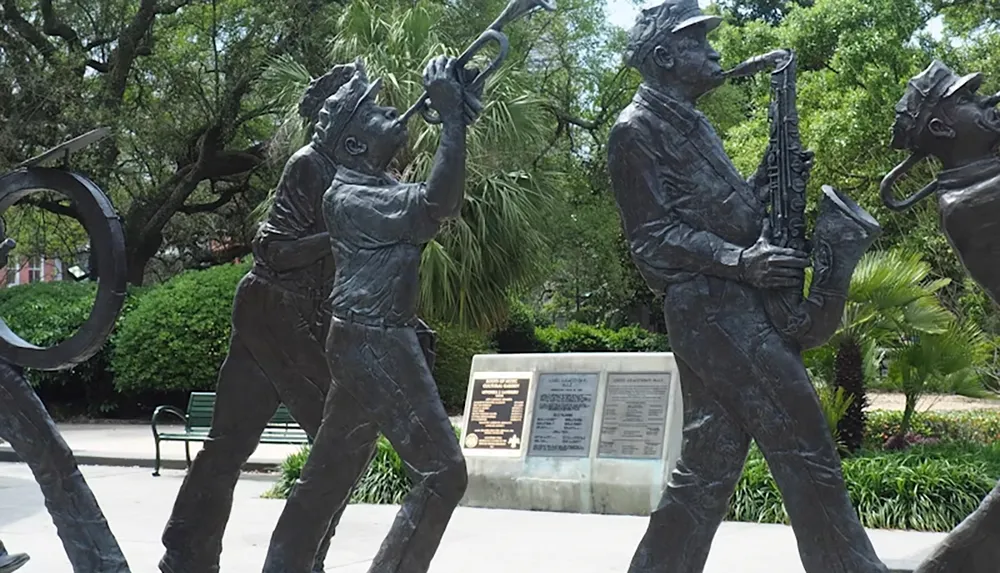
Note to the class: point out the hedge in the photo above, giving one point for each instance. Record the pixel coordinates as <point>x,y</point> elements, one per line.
<point>578,337</point>
<point>177,335</point>
<point>965,427</point>
<point>47,313</point>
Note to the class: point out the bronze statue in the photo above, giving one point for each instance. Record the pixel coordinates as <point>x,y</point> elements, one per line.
<point>24,422</point>
<point>10,562</point>
<point>729,254</point>
<point>276,354</point>
<point>941,115</point>
<point>382,380</point>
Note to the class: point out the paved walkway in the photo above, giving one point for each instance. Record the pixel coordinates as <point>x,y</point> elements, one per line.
<point>481,540</point>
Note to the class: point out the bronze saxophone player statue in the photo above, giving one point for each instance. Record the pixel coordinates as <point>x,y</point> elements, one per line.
<point>941,115</point>
<point>729,256</point>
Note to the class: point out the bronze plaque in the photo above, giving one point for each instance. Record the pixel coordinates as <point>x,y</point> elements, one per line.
<point>496,416</point>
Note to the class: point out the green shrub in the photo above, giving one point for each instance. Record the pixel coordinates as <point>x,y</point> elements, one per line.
<point>519,336</point>
<point>577,337</point>
<point>924,489</point>
<point>980,427</point>
<point>48,313</point>
<point>455,349</point>
<point>177,334</point>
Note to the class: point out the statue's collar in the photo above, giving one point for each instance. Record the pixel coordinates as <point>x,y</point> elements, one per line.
<point>353,177</point>
<point>681,115</point>
<point>966,175</point>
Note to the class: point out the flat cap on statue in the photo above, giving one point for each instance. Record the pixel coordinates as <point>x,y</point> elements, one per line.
<point>658,23</point>
<point>320,88</point>
<point>923,93</point>
<point>339,109</point>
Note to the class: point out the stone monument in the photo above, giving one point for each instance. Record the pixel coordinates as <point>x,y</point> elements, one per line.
<point>729,254</point>
<point>24,421</point>
<point>941,115</point>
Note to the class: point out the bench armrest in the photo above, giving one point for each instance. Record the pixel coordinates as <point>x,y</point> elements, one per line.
<point>167,410</point>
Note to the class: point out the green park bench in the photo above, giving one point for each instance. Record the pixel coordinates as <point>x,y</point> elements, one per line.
<point>281,429</point>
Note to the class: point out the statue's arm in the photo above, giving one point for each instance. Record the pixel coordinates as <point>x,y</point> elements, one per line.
<point>280,250</point>
<point>444,192</point>
<point>658,237</point>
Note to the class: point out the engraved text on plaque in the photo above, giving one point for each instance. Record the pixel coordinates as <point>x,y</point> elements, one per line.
<point>496,417</point>
<point>563,415</point>
<point>635,415</point>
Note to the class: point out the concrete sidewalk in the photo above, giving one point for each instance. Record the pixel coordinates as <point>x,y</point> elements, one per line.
<point>486,541</point>
<point>131,445</point>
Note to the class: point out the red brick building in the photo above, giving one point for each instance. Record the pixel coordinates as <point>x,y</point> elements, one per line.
<point>31,270</point>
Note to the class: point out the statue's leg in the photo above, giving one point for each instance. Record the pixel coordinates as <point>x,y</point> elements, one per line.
<point>762,382</point>
<point>428,343</point>
<point>79,521</point>
<point>340,453</point>
<point>696,498</point>
<point>245,401</point>
<point>973,546</point>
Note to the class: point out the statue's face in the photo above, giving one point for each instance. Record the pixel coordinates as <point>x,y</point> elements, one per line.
<point>966,122</point>
<point>692,60</point>
<point>375,134</point>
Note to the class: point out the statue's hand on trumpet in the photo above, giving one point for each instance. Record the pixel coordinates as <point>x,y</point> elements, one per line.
<point>452,91</point>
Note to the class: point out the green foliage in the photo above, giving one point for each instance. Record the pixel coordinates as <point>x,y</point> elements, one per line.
<point>578,337</point>
<point>518,335</point>
<point>456,346</point>
<point>979,427</point>
<point>177,335</point>
<point>46,314</point>
<point>924,489</point>
<point>835,402</point>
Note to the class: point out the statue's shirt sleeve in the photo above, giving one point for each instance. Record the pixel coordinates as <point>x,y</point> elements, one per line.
<point>296,202</point>
<point>656,185</point>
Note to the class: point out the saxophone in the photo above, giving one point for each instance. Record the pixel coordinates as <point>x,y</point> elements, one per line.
<point>841,235</point>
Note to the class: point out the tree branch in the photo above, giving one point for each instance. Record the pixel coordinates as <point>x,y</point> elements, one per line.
<point>98,66</point>
<point>225,197</point>
<point>53,26</point>
<point>26,30</point>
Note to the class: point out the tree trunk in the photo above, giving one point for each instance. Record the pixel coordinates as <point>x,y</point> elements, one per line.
<point>849,374</point>
<point>898,441</point>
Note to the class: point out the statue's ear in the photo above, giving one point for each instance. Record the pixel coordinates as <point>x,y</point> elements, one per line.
<point>938,128</point>
<point>663,58</point>
<point>355,147</point>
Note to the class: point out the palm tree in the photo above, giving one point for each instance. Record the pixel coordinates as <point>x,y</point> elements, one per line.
<point>890,296</point>
<point>498,244</point>
<point>945,361</point>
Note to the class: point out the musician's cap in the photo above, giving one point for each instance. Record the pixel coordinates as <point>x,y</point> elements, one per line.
<point>658,23</point>
<point>923,93</point>
<point>321,88</point>
<point>339,109</point>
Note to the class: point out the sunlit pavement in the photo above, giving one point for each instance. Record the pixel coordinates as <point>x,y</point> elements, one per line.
<point>482,540</point>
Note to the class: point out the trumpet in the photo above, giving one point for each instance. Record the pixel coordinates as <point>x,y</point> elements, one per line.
<point>515,10</point>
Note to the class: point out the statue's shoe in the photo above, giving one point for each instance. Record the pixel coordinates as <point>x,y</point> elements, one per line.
<point>10,562</point>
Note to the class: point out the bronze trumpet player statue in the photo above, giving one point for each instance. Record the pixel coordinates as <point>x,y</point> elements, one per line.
<point>729,254</point>
<point>941,115</point>
<point>379,362</point>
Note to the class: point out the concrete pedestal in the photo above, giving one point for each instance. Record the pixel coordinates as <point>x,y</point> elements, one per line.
<point>583,433</point>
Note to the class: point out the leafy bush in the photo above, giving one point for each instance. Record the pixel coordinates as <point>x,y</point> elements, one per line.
<point>980,427</point>
<point>455,349</point>
<point>48,313</point>
<point>578,337</point>
<point>924,489</point>
<point>177,335</point>
<point>518,336</point>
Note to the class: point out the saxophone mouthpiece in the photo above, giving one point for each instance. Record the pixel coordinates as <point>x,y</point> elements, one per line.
<point>757,64</point>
